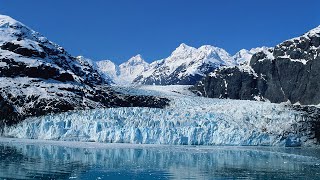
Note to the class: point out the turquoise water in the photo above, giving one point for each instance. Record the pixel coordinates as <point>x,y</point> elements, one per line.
<point>36,161</point>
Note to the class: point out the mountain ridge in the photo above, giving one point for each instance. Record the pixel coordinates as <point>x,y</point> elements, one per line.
<point>187,63</point>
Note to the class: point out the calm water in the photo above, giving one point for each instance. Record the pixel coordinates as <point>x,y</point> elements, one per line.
<point>34,161</point>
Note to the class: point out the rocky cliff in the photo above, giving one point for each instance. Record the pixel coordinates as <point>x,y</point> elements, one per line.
<point>288,72</point>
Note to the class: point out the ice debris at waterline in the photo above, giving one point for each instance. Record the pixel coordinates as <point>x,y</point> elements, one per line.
<point>267,124</point>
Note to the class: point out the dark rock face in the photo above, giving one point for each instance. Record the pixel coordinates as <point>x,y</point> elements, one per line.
<point>7,110</point>
<point>21,69</point>
<point>310,126</point>
<point>54,97</point>
<point>289,72</point>
<point>230,83</point>
<point>16,48</point>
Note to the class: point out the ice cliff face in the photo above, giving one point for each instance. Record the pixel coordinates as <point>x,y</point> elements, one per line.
<point>287,72</point>
<point>188,120</point>
<point>38,77</point>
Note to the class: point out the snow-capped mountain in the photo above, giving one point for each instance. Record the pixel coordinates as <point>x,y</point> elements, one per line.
<point>38,77</point>
<point>244,56</point>
<point>126,72</point>
<point>31,50</point>
<point>132,68</point>
<point>186,65</point>
<point>289,72</point>
<point>108,68</point>
<point>88,63</point>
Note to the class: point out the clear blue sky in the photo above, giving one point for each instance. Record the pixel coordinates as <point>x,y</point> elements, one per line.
<point>119,29</point>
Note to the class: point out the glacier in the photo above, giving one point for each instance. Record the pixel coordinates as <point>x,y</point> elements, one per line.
<point>188,120</point>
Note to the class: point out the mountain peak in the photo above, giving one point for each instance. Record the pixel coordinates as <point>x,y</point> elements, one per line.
<point>314,32</point>
<point>6,21</point>
<point>207,47</point>
<point>13,26</point>
<point>13,30</point>
<point>183,46</point>
<point>85,61</point>
<point>105,61</point>
<point>244,55</point>
<point>135,60</point>
<point>183,50</point>
<point>210,49</point>
<point>243,51</point>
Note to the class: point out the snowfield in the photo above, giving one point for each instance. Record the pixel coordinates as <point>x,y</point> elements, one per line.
<point>189,120</point>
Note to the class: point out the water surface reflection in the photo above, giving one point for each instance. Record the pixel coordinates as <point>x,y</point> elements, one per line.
<point>29,161</point>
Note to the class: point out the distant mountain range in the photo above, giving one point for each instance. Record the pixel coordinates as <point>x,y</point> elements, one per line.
<point>185,66</point>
